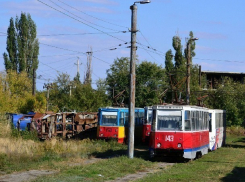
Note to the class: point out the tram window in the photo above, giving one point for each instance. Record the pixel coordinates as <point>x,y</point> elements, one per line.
<point>210,122</point>
<point>197,121</point>
<point>169,123</point>
<point>153,124</point>
<point>126,118</point>
<point>109,119</point>
<point>145,113</point>
<point>221,120</point>
<point>121,123</point>
<point>136,119</point>
<point>193,123</point>
<point>216,120</point>
<point>141,118</point>
<point>149,119</point>
<point>207,119</point>
<point>187,121</point>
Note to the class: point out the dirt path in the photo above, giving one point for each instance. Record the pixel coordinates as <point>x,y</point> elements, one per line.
<point>24,176</point>
<point>33,174</point>
<point>139,175</point>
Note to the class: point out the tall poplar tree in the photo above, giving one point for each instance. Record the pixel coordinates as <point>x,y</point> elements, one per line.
<point>178,68</point>
<point>22,45</point>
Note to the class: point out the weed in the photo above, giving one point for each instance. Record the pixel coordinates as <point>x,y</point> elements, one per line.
<point>236,130</point>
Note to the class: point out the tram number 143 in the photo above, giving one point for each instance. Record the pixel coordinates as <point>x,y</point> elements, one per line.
<point>169,138</point>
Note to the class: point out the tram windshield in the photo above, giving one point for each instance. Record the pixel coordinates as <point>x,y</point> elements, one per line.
<point>149,116</point>
<point>109,119</point>
<point>169,121</point>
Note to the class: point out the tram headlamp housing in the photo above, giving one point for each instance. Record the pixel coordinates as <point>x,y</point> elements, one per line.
<point>158,145</point>
<point>149,133</point>
<point>179,145</point>
<point>101,134</point>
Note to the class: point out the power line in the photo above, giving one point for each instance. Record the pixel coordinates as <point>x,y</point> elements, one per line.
<point>74,51</point>
<point>81,33</point>
<point>92,16</point>
<point>219,60</point>
<point>80,17</point>
<point>62,60</point>
<point>81,21</point>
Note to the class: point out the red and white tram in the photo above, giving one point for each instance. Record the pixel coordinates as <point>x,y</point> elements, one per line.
<point>147,123</point>
<point>180,130</point>
<point>217,128</point>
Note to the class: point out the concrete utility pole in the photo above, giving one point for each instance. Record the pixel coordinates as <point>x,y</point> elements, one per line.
<point>78,65</point>
<point>200,75</point>
<point>132,78</point>
<point>47,86</point>
<point>71,85</point>
<point>188,70</point>
<point>88,74</point>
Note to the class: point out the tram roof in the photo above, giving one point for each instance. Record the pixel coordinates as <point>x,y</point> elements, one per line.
<point>172,106</point>
<point>148,107</point>
<point>118,108</point>
<point>216,110</point>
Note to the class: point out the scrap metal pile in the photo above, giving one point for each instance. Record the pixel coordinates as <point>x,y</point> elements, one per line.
<point>48,125</point>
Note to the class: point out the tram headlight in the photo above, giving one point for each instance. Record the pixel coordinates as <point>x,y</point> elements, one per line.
<point>101,134</point>
<point>149,133</point>
<point>179,145</point>
<point>158,145</point>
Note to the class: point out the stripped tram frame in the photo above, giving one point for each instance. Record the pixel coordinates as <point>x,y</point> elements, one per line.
<point>113,124</point>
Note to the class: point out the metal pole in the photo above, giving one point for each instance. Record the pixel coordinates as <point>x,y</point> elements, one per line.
<point>132,82</point>
<point>77,65</point>
<point>47,96</point>
<point>188,74</point>
<point>200,75</point>
<point>70,89</point>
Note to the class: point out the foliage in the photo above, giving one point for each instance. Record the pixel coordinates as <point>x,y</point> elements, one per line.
<point>176,71</point>
<point>22,45</point>
<point>85,98</point>
<point>26,135</point>
<point>67,95</point>
<point>229,96</point>
<point>118,79</point>
<point>150,83</point>
<point>236,131</point>
<point>16,94</point>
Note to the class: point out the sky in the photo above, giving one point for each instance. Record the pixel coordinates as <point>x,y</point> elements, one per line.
<point>66,30</point>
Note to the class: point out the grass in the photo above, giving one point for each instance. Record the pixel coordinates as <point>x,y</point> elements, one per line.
<point>224,164</point>
<point>107,169</point>
<point>18,152</point>
<point>68,158</point>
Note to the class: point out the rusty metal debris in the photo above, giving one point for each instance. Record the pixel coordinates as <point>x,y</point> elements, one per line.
<point>48,125</point>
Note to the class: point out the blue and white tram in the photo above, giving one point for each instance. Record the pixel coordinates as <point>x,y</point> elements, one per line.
<point>217,128</point>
